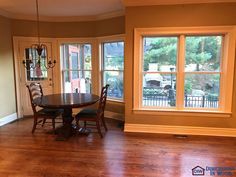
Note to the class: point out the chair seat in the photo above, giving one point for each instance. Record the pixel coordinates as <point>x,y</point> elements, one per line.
<point>87,113</point>
<point>50,112</point>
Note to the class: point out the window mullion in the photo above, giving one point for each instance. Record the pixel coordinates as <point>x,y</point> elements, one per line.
<point>180,73</point>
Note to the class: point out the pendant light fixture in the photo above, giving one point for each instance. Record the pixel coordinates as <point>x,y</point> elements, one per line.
<point>37,54</point>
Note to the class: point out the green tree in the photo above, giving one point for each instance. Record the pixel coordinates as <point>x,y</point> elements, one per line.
<point>204,51</point>
<point>161,50</point>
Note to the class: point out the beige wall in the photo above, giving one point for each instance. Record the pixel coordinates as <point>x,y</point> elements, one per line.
<point>7,87</point>
<point>70,29</point>
<point>174,16</point>
<point>111,26</point>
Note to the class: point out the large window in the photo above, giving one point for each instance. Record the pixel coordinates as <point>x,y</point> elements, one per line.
<point>77,67</point>
<point>183,69</point>
<point>112,68</point>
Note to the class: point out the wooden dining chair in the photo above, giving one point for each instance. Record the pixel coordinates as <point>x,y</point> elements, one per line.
<point>94,115</point>
<point>41,115</point>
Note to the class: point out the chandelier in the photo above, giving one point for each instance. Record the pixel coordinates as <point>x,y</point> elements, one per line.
<point>37,54</point>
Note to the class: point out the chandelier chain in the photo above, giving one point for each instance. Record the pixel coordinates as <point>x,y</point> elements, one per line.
<point>38,24</point>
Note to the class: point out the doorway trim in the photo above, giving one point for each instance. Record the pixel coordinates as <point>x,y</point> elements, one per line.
<point>16,47</point>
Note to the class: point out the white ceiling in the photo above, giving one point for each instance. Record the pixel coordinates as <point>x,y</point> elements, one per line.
<point>77,10</point>
<point>26,9</point>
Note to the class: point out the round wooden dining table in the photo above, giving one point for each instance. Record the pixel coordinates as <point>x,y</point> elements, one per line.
<point>66,101</point>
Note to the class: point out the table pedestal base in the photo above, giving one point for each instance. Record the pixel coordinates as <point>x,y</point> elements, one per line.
<point>68,129</point>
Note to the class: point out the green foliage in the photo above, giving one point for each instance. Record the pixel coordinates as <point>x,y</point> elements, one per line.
<point>87,64</point>
<point>203,51</point>
<point>162,50</point>
<point>213,97</point>
<point>115,82</point>
<point>115,62</point>
<point>188,87</point>
<point>153,91</point>
<point>172,102</point>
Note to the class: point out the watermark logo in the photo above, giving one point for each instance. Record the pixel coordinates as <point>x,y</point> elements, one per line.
<point>198,171</point>
<point>220,171</point>
<point>213,171</point>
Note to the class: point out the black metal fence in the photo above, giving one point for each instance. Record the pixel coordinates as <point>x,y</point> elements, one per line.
<point>189,101</point>
<point>201,101</point>
<point>155,100</point>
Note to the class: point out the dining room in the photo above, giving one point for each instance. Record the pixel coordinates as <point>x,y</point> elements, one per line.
<point>126,88</point>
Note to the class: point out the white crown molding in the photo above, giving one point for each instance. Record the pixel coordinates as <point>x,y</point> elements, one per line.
<point>181,130</point>
<point>52,19</point>
<point>169,2</point>
<point>110,15</point>
<point>64,18</point>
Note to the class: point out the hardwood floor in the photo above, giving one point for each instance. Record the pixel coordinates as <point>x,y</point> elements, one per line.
<point>118,154</point>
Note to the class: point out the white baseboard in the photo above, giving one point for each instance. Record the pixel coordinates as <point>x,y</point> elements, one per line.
<point>181,130</point>
<point>8,119</point>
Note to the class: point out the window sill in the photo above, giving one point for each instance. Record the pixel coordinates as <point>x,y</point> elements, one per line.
<point>115,101</point>
<point>194,113</point>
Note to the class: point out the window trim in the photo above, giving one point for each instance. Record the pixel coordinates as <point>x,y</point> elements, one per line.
<point>227,60</point>
<point>110,39</point>
<point>92,42</point>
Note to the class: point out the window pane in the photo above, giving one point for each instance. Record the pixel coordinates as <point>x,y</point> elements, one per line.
<point>113,56</point>
<point>203,53</point>
<point>74,65</point>
<point>115,80</point>
<point>86,57</point>
<point>39,72</point>
<point>202,90</point>
<point>65,55</point>
<point>79,84</point>
<point>159,90</point>
<point>76,56</point>
<point>159,53</point>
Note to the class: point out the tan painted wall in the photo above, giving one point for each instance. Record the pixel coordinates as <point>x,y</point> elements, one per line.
<point>174,16</point>
<point>70,29</point>
<point>111,26</point>
<point>7,87</point>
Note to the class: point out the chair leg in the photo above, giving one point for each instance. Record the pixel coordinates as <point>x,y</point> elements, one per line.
<point>44,121</point>
<point>53,124</point>
<point>104,123</point>
<point>35,124</point>
<point>77,124</point>
<point>85,124</point>
<point>99,128</point>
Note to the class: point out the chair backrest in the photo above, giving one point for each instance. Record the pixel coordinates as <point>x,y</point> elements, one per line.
<point>35,91</point>
<point>102,101</point>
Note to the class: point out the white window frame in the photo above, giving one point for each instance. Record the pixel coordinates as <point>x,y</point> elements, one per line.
<point>90,41</point>
<point>227,64</point>
<point>101,41</point>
